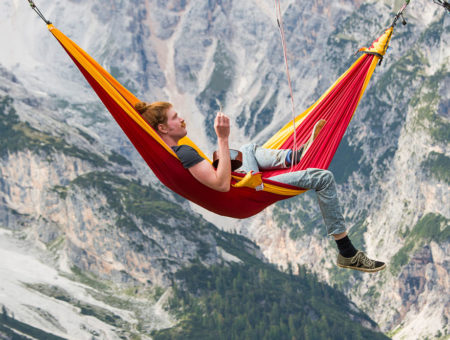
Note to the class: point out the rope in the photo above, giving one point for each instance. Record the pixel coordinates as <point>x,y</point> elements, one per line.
<point>283,42</point>
<point>33,6</point>
<point>400,14</point>
<point>443,3</point>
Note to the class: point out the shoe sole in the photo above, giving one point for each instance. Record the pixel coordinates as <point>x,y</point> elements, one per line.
<point>363,269</point>
<point>316,130</point>
<point>319,125</point>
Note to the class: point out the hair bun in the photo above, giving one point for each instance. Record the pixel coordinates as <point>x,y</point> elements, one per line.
<point>141,107</point>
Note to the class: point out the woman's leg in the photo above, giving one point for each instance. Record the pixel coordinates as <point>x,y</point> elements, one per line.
<point>322,181</point>
<point>255,158</point>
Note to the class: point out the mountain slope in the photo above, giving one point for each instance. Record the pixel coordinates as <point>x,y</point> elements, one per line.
<point>75,185</point>
<point>89,252</point>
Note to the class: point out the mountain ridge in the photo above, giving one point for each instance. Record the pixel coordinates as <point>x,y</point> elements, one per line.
<point>396,176</point>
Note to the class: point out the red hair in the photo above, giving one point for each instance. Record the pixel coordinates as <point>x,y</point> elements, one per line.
<point>154,113</point>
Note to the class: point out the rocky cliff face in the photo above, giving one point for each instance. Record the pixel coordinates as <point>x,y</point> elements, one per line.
<point>81,236</point>
<point>64,160</point>
<point>390,170</point>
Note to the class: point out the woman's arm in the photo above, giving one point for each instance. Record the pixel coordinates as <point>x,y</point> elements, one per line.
<point>204,172</point>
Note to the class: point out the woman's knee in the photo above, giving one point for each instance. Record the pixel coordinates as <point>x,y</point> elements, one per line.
<point>328,176</point>
<point>250,147</point>
<point>323,178</point>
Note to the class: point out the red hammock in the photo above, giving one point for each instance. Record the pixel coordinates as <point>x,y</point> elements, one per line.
<point>336,106</point>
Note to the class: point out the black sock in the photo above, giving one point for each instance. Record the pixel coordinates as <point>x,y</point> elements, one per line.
<point>345,247</point>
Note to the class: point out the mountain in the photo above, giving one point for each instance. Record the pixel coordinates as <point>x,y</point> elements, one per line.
<point>90,252</point>
<point>96,247</point>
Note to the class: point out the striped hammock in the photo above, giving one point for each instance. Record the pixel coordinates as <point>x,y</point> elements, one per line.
<point>337,106</point>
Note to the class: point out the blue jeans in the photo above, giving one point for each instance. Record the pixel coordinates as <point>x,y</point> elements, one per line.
<point>255,158</point>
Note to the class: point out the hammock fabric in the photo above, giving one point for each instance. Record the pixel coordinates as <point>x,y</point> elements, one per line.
<point>249,193</point>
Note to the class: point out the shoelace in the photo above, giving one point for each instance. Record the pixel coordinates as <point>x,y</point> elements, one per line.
<point>361,258</point>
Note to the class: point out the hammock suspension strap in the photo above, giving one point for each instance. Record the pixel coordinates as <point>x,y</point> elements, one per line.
<point>443,3</point>
<point>34,7</point>
<point>400,14</point>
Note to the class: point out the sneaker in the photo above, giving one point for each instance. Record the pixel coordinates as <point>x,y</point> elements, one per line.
<point>315,132</point>
<point>360,262</point>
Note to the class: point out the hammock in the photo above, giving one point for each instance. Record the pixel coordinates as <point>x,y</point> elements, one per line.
<point>251,193</point>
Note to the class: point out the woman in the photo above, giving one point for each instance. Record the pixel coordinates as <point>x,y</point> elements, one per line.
<point>163,118</point>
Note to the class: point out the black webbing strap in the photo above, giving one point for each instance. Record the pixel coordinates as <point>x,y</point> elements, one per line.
<point>375,53</point>
<point>33,6</point>
<point>443,3</point>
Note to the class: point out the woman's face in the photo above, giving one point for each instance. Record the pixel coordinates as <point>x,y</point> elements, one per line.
<point>175,126</point>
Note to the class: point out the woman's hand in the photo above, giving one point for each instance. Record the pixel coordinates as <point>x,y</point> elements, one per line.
<point>204,172</point>
<point>222,125</point>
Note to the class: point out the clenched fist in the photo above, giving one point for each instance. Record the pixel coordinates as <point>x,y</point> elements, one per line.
<point>222,125</point>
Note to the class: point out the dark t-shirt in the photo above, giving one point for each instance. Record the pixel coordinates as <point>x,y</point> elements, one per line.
<point>187,155</point>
